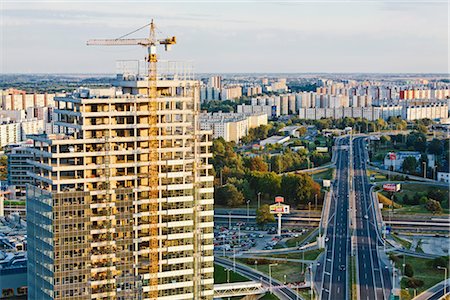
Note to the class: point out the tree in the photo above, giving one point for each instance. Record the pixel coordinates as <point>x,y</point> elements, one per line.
<point>441,261</point>
<point>414,283</point>
<point>436,147</point>
<point>229,195</point>
<point>409,271</point>
<point>417,141</point>
<point>256,164</point>
<point>268,183</point>
<point>409,165</point>
<point>263,215</point>
<point>422,128</point>
<point>433,206</point>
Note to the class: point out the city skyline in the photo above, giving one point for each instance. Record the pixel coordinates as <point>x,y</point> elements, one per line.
<point>286,37</point>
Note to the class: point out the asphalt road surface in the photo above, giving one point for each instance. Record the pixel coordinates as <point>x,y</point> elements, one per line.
<point>373,277</point>
<point>334,268</point>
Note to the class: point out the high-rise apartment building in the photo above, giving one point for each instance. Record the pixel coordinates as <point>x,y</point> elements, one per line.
<point>89,210</point>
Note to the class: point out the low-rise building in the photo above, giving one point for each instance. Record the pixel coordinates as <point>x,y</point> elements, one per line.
<point>394,161</point>
<point>17,156</point>
<point>276,139</point>
<point>443,176</point>
<point>13,258</point>
<point>231,126</point>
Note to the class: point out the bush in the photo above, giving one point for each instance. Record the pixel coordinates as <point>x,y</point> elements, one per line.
<point>394,258</point>
<point>414,283</point>
<point>409,271</point>
<point>433,206</point>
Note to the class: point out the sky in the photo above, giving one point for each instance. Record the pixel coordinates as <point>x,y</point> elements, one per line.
<point>230,36</point>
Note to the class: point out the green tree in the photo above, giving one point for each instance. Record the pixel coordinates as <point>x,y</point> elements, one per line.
<point>384,139</point>
<point>263,215</point>
<point>229,195</point>
<point>409,165</point>
<point>436,147</point>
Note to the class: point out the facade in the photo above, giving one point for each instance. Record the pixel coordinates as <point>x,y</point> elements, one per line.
<point>231,126</point>
<point>274,140</point>
<point>12,132</point>
<point>443,176</point>
<point>18,167</point>
<point>13,257</point>
<point>395,162</point>
<point>116,211</point>
<point>19,100</point>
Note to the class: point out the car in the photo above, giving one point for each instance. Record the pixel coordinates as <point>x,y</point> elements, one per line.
<point>342,267</point>
<point>261,235</point>
<point>327,239</point>
<point>366,217</point>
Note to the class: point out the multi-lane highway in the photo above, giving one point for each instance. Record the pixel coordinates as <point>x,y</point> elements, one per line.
<point>334,268</point>
<point>373,276</point>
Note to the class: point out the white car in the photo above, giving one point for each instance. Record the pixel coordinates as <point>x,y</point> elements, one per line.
<point>366,217</point>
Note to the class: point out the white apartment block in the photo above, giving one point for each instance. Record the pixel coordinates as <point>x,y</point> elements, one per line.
<point>15,132</point>
<point>231,126</point>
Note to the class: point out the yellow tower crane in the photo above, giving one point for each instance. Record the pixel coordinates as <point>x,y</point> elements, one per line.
<point>150,43</point>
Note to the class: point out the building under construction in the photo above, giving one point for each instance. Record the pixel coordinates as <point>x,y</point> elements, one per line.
<point>122,201</point>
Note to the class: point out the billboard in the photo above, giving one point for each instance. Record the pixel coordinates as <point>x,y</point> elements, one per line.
<point>322,149</point>
<point>279,199</point>
<point>391,187</point>
<point>279,209</point>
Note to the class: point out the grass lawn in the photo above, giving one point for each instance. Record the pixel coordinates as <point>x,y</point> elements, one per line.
<point>410,189</point>
<point>292,270</point>
<point>378,176</point>
<point>269,296</point>
<point>423,270</point>
<point>305,293</point>
<point>292,242</point>
<point>406,244</point>
<point>220,275</point>
<point>309,255</point>
<point>326,174</point>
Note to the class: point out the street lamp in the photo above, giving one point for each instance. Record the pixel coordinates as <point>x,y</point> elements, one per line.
<point>248,208</point>
<point>229,220</point>
<point>284,279</point>
<point>228,275</point>
<point>259,199</point>
<point>315,198</point>
<point>445,278</point>
<point>424,164</point>
<point>309,213</point>
<point>270,276</point>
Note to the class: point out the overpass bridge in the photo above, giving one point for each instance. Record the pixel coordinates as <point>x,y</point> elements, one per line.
<point>248,289</point>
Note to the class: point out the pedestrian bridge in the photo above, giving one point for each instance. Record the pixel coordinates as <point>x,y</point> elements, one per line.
<point>246,288</point>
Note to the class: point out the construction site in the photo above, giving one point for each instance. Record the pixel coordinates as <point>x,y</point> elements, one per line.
<point>121,205</point>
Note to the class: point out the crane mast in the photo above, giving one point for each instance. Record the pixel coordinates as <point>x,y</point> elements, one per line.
<point>152,175</point>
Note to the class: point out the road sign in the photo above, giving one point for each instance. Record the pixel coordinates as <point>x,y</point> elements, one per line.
<point>279,208</point>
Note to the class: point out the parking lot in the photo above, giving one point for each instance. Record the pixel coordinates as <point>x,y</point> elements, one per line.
<point>241,238</point>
